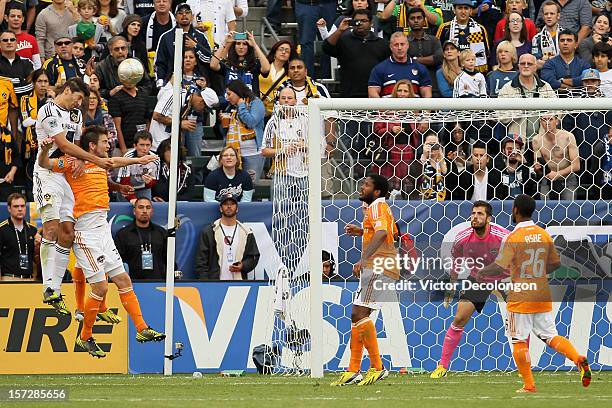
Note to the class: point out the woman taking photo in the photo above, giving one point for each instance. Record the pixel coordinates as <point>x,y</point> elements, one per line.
<point>279,56</point>
<point>601,31</point>
<point>450,69</point>
<point>242,60</point>
<point>228,178</point>
<point>245,128</point>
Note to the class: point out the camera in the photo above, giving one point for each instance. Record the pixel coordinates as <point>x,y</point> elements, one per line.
<point>240,36</point>
<point>605,38</point>
<point>436,146</point>
<point>354,23</point>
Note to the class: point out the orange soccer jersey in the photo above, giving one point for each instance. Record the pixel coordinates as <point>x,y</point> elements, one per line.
<point>90,190</point>
<point>378,217</point>
<point>527,252</point>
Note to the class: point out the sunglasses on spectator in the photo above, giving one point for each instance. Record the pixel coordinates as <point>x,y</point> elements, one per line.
<point>62,43</point>
<point>526,64</point>
<point>9,39</point>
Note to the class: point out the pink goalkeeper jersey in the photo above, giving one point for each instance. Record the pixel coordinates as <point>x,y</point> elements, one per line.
<point>476,252</point>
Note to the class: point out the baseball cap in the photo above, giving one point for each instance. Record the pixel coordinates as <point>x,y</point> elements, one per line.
<point>182,7</point>
<point>463,3</point>
<point>590,74</point>
<point>450,42</point>
<point>513,137</point>
<point>228,196</point>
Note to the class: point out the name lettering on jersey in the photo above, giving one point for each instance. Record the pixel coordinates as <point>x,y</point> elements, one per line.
<point>533,238</point>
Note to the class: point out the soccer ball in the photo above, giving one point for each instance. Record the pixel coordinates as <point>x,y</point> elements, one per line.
<point>130,71</point>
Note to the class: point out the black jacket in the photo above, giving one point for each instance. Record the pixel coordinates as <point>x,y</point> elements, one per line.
<point>497,183</point>
<point>207,264</point>
<point>18,72</point>
<point>106,70</point>
<point>128,243</point>
<point>357,56</point>
<point>164,56</point>
<point>9,251</point>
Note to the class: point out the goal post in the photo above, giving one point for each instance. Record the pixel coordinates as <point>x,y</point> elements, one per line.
<point>430,110</point>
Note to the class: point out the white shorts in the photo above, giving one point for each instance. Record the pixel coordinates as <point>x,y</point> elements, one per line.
<point>520,325</point>
<point>96,253</point>
<point>53,196</point>
<point>371,292</point>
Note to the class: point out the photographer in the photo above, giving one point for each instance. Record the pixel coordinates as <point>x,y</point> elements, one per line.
<point>358,50</point>
<point>434,175</point>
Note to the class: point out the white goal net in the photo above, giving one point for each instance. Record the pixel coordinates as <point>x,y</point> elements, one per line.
<point>557,150</point>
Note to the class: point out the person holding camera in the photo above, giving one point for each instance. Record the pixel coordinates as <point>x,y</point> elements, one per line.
<point>241,58</point>
<point>193,39</point>
<point>434,176</point>
<point>600,33</point>
<point>227,249</point>
<point>358,51</point>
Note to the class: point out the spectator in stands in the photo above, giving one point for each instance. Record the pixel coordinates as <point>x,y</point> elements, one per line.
<point>601,31</point>
<point>395,151</point>
<point>466,33</point>
<point>9,157</point>
<point>563,71</point>
<point>519,7</point>
<point>142,244</point>
<point>470,83</point>
<point>431,172</point>
<point>505,70</point>
<point>401,10</point>
<point>450,70</point>
<point>602,55</point>
<point>27,47</point>
<point>545,44</point>
<point>358,51</point>
<point>184,186</point>
<point>29,106</point>
<point>193,39</point>
<point>515,174</point>
<point>29,12</point>
<point>132,24</point>
<point>87,30</point>
<point>215,19</point>
<point>279,56</point>
<point>155,25</point>
<point>130,111</point>
<point>229,178</point>
<point>603,174</point>
<point>106,70</point>
<point>19,242</point>
<point>488,13</point>
<point>52,24</point>
<point>557,153</point>
<point>525,85</point>
<point>9,106</point>
<point>285,143</point>
<point>110,16</point>
<point>12,66</point>
<point>398,66</point>
<point>78,48</point>
<point>352,5</point>
<point>424,47</point>
<point>242,60</point>
<point>141,7</point>
<point>307,14</point>
<point>96,114</point>
<point>246,125</point>
<point>227,249</point>
<point>140,176</point>
<point>516,34</point>
<point>64,65</point>
<point>576,16</point>
<point>456,146</point>
<point>479,180</point>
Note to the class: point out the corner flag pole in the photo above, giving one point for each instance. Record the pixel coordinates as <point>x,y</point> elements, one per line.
<point>170,255</point>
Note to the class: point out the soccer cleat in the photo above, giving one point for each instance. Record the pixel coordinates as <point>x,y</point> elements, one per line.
<point>373,375</point>
<point>439,372</point>
<point>347,378</point>
<point>149,334</point>
<point>108,316</point>
<point>526,390</point>
<point>56,300</point>
<point>78,315</point>
<point>585,371</point>
<point>91,347</point>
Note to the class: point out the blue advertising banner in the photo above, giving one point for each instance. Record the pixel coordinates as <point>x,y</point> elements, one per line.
<point>219,323</point>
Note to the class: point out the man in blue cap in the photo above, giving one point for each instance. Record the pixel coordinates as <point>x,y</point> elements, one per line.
<point>466,33</point>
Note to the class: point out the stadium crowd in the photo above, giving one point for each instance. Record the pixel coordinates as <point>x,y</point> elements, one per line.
<point>401,49</point>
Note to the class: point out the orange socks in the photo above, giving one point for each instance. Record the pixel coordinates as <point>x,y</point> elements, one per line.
<point>520,352</point>
<point>78,278</point>
<point>91,310</point>
<point>356,349</point>
<point>368,336</point>
<point>565,347</point>
<point>131,305</point>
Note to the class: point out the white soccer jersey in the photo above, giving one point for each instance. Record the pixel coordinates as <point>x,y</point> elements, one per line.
<point>53,120</point>
<point>136,171</point>
<point>218,12</point>
<point>281,133</point>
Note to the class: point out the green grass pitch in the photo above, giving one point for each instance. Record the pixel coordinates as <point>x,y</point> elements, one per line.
<point>479,390</point>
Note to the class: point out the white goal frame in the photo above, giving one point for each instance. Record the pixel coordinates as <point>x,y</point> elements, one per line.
<point>316,107</point>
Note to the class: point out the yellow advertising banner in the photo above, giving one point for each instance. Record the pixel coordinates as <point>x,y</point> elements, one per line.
<point>34,339</point>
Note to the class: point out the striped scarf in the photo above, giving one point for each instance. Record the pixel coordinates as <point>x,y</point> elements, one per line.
<point>475,38</point>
